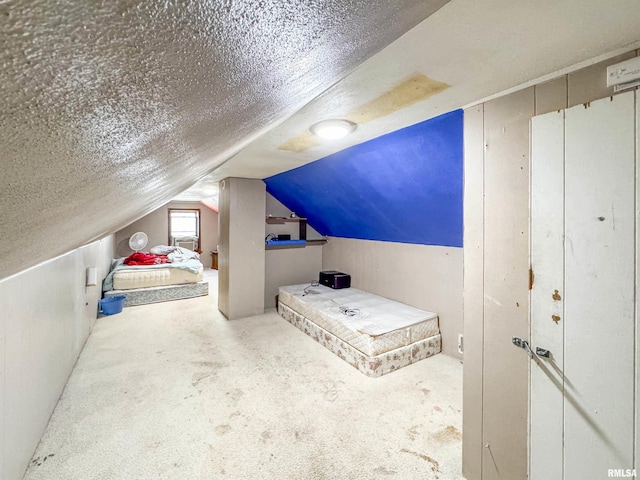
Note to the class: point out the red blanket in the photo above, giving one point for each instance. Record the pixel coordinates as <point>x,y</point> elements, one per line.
<point>142,258</point>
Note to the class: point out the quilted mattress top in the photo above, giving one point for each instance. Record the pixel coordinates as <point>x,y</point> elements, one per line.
<point>357,310</point>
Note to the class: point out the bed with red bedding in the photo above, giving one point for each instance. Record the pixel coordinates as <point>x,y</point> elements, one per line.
<point>162,274</point>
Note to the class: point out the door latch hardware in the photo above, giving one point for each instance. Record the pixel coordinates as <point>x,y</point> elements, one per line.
<point>541,352</point>
<point>519,342</point>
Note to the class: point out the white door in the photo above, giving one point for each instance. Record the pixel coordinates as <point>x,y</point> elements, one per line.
<point>583,207</point>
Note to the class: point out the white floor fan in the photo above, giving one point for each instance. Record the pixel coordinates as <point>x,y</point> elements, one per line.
<point>138,241</point>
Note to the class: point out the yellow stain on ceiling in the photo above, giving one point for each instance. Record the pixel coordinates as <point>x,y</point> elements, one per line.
<point>300,143</point>
<point>416,88</point>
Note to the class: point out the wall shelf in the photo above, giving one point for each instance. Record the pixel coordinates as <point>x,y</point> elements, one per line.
<point>282,220</point>
<point>301,245</point>
<point>283,247</point>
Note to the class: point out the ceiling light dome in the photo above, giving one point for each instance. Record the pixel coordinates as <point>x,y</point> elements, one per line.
<point>333,128</point>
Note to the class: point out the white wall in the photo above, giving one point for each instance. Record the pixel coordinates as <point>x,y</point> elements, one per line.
<point>422,276</point>
<point>241,255</point>
<point>496,264</point>
<point>47,314</point>
<point>156,226</point>
<point>290,266</point>
<point>583,254</point>
<point>496,284</point>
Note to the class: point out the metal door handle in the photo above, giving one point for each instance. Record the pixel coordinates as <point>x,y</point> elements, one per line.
<point>520,343</point>
<point>541,352</point>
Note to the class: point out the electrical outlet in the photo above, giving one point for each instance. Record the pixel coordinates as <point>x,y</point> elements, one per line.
<point>460,344</point>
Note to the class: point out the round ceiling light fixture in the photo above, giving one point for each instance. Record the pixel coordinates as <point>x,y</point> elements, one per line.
<point>333,128</point>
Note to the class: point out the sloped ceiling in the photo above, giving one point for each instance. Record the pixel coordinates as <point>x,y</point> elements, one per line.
<point>478,48</point>
<point>405,186</point>
<point>109,109</point>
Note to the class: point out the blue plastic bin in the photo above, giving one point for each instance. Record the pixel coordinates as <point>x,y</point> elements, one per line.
<point>112,305</point>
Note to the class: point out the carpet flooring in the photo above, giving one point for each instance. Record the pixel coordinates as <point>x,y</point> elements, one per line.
<point>175,391</point>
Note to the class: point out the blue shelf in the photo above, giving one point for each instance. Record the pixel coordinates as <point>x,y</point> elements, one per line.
<point>282,243</point>
<point>275,244</point>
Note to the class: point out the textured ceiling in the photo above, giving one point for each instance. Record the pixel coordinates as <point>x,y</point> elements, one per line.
<point>109,109</point>
<point>477,48</point>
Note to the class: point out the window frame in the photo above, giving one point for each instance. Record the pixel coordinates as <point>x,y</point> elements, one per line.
<point>198,225</point>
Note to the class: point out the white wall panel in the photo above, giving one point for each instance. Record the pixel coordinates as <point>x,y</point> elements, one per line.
<point>241,258</point>
<point>637,313</point>
<point>505,265</point>
<point>472,446</point>
<point>224,227</point>
<point>599,287</point>
<point>47,314</point>
<point>506,291</point>
<point>547,316</point>
<point>290,266</point>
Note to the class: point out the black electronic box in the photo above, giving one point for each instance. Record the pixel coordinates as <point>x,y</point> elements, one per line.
<point>335,279</point>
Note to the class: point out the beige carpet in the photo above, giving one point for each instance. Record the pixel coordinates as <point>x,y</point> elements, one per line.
<point>175,391</point>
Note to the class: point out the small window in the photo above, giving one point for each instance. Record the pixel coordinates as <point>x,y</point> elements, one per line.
<point>184,228</point>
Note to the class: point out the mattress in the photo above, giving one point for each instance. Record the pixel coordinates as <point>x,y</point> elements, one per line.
<point>142,296</point>
<point>372,366</point>
<point>370,323</point>
<point>154,277</point>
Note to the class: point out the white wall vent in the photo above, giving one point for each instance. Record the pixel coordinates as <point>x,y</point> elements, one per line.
<point>624,75</point>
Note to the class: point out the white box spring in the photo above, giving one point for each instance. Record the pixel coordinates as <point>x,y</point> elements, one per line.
<point>379,325</point>
<point>153,277</point>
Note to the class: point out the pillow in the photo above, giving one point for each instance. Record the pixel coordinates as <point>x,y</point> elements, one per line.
<point>162,250</point>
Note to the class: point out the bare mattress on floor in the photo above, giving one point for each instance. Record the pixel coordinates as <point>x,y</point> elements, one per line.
<point>375,334</point>
<point>143,296</point>
<point>141,277</point>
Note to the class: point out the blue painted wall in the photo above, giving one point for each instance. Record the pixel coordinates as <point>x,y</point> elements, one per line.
<point>405,186</point>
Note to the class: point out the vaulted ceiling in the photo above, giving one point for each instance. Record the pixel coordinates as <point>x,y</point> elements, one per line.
<point>110,109</point>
